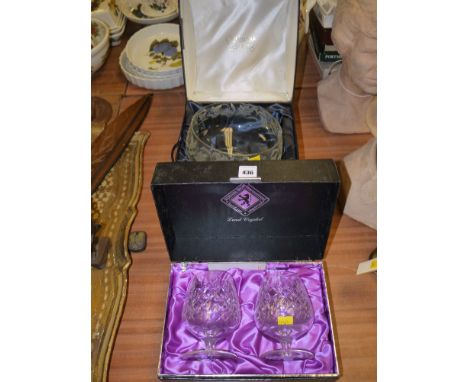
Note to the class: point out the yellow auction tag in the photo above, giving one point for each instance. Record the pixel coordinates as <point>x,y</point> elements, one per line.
<point>367,266</point>
<point>285,320</point>
<point>257,157</point>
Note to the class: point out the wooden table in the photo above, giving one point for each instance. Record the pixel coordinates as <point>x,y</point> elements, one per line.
<point>353,298</point>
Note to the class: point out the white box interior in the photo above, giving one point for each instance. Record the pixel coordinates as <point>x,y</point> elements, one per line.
<point>239,50</point>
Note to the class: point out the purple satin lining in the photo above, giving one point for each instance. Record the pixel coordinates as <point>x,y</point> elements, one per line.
<point>246,341</point>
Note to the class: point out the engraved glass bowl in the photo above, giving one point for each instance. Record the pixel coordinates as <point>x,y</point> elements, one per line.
<point>225,132</point>
<point>284,312</point>
<point>211,311</point>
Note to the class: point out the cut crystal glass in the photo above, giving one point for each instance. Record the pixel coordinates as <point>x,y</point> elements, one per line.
<point>284,313</point>
<point>211,311</point>
<point>224,132</point>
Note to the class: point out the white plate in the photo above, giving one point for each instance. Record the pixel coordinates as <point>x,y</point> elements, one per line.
<point>137,70</point>
<point>119,32</point>
<point>99,59</point>
<point>158,8</point>
<point>99,36</point>
<point>153,75</point>
<point>147,82</point>
<point>156,48</point>
<point>116,38</point>
<point>109,13</point>
<point>140,11</point>
<point>120,29</point>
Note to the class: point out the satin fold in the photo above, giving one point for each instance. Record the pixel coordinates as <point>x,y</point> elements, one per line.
<point>239,51</point>
<point>246,341</point>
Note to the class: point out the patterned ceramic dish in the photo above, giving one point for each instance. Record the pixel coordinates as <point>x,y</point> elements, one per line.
<point>156,49</point>
<point>148,82</point>
<point>99,44</point>
<point>148,12</point>
<point>108,12</point>
<point>155,74</point>
<point>160,75</point>
<point>116,36</point>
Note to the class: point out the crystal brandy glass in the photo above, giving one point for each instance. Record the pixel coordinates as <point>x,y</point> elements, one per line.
<point>284,313</point>
<point>212,311</point>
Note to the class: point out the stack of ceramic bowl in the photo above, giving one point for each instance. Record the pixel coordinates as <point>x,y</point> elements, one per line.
<point>99,44</point>
<point>108,12</point>
<point>152,58</point>
<point>148,12</point>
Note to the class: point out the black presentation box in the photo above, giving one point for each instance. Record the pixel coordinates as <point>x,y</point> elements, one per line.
<point>212,218</point>
<point>239,51</point>
<point>206,217</point>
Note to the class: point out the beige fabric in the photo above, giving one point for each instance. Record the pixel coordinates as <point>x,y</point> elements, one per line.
<point>372,116</point>
<point>347,94</point>
<point>342,110</point>
<point>347,101</point>
<point>361,165</point>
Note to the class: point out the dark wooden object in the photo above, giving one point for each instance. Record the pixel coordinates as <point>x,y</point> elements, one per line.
<point>108,146</point>
<point>101,110</point>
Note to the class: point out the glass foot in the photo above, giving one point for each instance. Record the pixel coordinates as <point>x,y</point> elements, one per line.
<point>208,354</point>
<point>287,355</point>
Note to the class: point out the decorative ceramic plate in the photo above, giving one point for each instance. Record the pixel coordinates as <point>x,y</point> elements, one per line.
<point>149,11</point>
<point>98,60</point>
<point>154,74</point>
<point>99,44</point>
<point>108,12</point>
<point>99,35</point>
<point>148,82</point>
<point>157,8</point>
<point>156,49</point>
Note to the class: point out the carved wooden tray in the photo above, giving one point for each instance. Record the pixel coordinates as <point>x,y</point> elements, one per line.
<point>114,208</point>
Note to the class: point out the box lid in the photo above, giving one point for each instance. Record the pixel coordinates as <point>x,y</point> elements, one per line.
<point>208,214</point>
<point>239,50</point>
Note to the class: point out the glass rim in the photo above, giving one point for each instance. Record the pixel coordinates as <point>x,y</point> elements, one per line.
<point>225,153</point>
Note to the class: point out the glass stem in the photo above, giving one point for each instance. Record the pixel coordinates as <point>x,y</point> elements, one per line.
<point>286,347</point>
<point>209,344</point>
